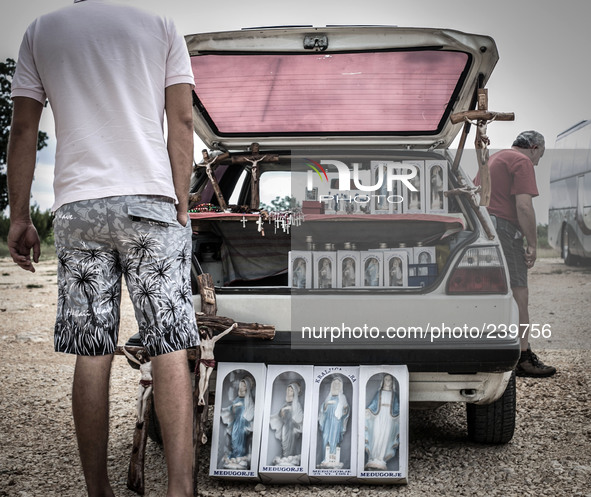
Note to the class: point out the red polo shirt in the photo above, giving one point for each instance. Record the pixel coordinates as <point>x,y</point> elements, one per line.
<point>511,173</point>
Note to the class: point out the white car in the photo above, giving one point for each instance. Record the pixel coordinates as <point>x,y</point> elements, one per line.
<point>341,135</point>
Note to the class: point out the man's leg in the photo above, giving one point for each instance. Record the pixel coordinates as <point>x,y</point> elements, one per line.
<point>529,363</point>
<point>521,296</point>
<point>90,407</point>
<point>173,400</point>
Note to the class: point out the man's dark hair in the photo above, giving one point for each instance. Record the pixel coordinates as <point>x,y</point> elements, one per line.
<point>529,139</point>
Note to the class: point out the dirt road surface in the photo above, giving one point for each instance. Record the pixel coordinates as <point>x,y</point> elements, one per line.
<point>550,453</point>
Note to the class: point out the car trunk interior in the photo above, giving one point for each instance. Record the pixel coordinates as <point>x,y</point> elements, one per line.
<point>232,247</point>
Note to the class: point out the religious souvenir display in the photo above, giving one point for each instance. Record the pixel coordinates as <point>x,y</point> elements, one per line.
<point>286,424</point>
<point>237,420</point>
<point>300,269</point>
<point>436,185</point>
<point>348,269</point>
<point>395,269</point>
<point>283,220</point>
<point>383,424</point>
<point>333,446</point>
<point>414,200</point>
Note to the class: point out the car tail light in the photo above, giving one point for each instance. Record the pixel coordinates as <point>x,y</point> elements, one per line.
<point>480,270</point>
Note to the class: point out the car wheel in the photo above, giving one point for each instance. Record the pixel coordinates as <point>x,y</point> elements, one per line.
<point>493,423</point>
<point>569,259</point>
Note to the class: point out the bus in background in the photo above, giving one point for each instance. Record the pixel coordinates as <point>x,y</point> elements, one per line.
<point>569,217</point>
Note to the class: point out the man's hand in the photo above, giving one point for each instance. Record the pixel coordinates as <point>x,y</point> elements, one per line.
<point>182,217</point>
<point>22,237</point>
<point>530,257</point>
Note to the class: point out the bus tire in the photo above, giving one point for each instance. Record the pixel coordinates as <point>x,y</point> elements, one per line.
<point>569,259</point>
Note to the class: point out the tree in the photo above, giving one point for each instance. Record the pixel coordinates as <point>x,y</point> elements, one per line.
<point>281,204</point>
<point>6,72</point>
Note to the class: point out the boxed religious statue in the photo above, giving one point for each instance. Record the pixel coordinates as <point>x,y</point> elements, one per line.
<point>383,424</point>
<point>300,269</point>
<point>436,185</point>
<point>396,268</point>
<point>325,269</point>
<point>285,443</point>
<point>372,268</point>
<point>414,201</point>
<point>237,420</point>
<point>423,271</point>
<point>348,269</point>
<point>379,197</point>
<point>333,446</point>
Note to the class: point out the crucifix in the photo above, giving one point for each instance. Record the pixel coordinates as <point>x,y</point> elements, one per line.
<point>260,225</point>
<point>254,160</point>
<point>483,117</point>
<point>207,164</point>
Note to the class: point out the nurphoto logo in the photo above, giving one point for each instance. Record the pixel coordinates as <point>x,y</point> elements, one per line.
<point>384,174</point>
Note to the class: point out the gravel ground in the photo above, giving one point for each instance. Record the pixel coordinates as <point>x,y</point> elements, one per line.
<point>550,453</point>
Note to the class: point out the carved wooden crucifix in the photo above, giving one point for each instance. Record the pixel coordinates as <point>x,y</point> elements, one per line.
<point>254,160</point>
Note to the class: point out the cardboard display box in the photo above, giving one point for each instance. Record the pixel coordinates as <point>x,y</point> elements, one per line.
<point>372,268</point>
<point>396,269</point>
<point>300,269</point>
<point>237,420</point>
<point>348,269</point>
<point>285,443</point>
<point>325,269</point>
<point>414,202</point>
<point>436,184</point>
<point>383,424</point>
<point>333,446</point>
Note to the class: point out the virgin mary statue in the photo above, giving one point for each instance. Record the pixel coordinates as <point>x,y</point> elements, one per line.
<point>382,425</point>
<point>332,419</point>
<point>287,425</point>
<point>238,418</point>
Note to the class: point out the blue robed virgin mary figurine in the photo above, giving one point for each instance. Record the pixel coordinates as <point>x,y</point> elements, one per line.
<point>332,419</point>
<point>238,418</point>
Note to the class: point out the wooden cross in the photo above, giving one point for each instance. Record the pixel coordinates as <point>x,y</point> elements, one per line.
<point>483,117</point>
<point>254,160</point>
<point>207,164</point>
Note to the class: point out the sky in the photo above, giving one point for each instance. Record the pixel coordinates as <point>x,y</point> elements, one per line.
<point>542,74</point>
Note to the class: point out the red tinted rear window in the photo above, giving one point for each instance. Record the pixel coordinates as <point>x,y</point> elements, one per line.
<point>380,92</point>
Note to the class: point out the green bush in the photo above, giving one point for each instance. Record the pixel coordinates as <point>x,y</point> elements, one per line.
<point>542,232</point>
<point>43,221</point>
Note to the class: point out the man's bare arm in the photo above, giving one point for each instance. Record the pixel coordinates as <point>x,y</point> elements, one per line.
<point>527,222</point>
<point>21,159</point>
<point>180,143</point>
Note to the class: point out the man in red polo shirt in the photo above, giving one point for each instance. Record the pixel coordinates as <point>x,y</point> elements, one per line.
<point>513,186</point>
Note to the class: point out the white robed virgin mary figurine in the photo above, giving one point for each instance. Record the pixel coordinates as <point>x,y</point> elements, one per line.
<point>287,425</point>
<point>382,425</point>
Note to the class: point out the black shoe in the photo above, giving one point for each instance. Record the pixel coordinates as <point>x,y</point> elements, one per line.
<point>530,366</point>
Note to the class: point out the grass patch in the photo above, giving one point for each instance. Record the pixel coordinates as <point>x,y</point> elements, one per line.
<point>33,285</point>
<point>47,250</point>
<point>547,253</point>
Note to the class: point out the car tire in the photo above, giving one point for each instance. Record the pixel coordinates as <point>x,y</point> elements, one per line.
<point>493,423</point>
<point>569,259</point>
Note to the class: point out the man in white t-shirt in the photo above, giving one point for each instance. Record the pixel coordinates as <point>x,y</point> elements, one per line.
<point>111,73</point>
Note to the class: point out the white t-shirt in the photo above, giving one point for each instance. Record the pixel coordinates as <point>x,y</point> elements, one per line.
<point>104,69</point>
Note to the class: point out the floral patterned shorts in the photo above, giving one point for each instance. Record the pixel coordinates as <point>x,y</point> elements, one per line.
<point>136,236</point>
